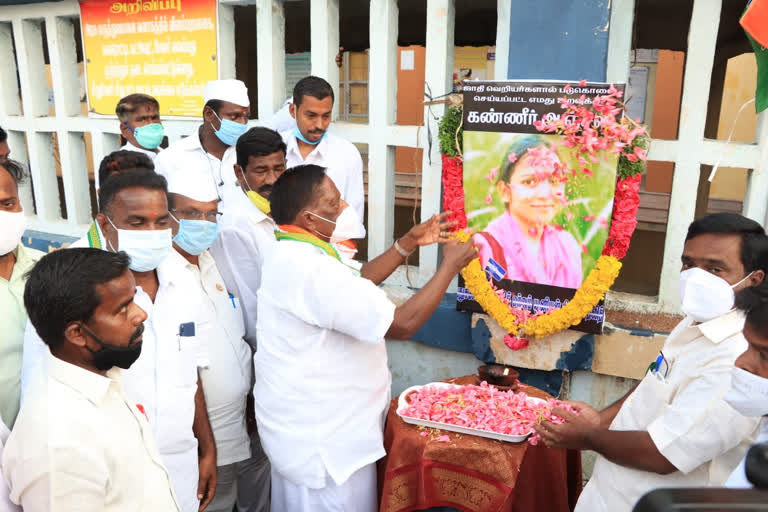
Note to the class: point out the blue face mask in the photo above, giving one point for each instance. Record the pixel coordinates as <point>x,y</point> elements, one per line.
<point>149,136</point>
<point>229,131</point>
<point>298,135</point>
<point>195,236</point>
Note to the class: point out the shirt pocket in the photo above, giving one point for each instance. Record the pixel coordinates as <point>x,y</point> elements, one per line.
<point>235,318</point>
<point>190,355</point>
<point>648,402</point>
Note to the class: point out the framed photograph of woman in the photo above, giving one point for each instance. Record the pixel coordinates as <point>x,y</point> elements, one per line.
<point>539,213</point>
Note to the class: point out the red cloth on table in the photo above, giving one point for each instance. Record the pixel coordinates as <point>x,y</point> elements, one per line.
<point>473,473</point>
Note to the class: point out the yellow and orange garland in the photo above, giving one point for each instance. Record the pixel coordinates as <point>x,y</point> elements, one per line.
<point>606,269</point>
<point>592,290</point>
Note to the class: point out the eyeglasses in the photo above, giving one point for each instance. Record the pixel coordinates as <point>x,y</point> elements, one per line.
<point>213,216</point>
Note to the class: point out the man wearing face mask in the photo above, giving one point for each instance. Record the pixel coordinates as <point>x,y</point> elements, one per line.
<point>134,218</point>
<point>80,443</point>
<point>211,149</point>
<point>676,429</point>
<point>15,261</point>
<point>749,382</point>
<point>310,143</point>
<point>246,236</point>
<point>322,317</point>
<point>140,125</point>
<point>242,477</point>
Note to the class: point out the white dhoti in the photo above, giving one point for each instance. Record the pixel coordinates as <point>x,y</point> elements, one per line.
<point>184,472</point>
<point>357,494</point>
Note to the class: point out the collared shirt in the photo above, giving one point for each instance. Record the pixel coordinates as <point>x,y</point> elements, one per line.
<point>683,410</point>
<point>342,162</point>
<point>164,377</point>
<point>322,381</point>
<point>188,156</point>
<point>12,333</point>
<point>738,479</point>
<point>227,379</point>
<point>81,444</point>
<point>557,261</point>
<point>239,252</point>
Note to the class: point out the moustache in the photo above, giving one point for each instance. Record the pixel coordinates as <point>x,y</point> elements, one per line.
<point>265,190</point>
<point>136,335</point>
<point>316,132</point>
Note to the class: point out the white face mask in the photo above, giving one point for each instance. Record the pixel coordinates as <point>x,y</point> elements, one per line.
<point>348,226</point>
<point>704,296</point>
<point>147,248</point>
<point>13,226</point>
<point>748,394</point>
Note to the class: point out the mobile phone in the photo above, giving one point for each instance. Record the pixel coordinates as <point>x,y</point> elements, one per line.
<point>187,329</point>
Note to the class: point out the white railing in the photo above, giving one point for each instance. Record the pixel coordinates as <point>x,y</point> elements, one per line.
<point>28,118</point>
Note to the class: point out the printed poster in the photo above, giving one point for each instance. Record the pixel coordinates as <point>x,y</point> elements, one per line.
<point>164,48</point>
<point>541,221</point>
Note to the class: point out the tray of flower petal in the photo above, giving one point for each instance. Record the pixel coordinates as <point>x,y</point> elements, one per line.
<point>476,410</point>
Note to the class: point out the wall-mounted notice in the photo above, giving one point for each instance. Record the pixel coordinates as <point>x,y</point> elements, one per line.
<point>164,48</point>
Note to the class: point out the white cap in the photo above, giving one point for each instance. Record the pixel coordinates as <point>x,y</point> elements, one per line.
<point>232,91</point>
<point>192,183</point>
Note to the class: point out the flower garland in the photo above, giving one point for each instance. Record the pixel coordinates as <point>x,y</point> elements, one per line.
<point>624,137</point>
<point>453,190</point>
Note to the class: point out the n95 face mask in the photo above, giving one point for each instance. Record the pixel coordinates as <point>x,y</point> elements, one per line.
<point>704,296</point>
<point>13,226</point>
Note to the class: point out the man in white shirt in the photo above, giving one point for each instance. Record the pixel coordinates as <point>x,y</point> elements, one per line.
<point>246,236</point>
<point>322,381</point>
<point>15,261</point>
<point>675,429</point>
<point>80,443</point>
<point>140,124</point>
<point>134,218</point>
<point>211,149</point>
<point>227,379</point>
<point>311,143</point>
<point>749,381</point>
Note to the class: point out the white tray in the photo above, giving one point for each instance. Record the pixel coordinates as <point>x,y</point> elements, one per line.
<point>402,404</point>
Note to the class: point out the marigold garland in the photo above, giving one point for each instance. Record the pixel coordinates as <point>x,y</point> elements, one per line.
<point>592,290</point>
<point>519,322</point>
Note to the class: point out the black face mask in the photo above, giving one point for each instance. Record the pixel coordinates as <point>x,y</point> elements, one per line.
<point>111,355</point>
